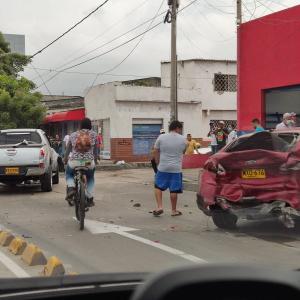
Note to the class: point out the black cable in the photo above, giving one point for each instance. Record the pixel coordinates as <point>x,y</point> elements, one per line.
<point>39,75</point>
<point>118,46</point>
<point>112,40</point>
<point>102,54</point>
<point>79,22</point>
<point>131,51</point>
<point>102,33</point>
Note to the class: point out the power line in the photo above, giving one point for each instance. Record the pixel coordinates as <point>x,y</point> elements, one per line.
<point>106,30</point>
<point>217,8</point>
<point>75,25</point>
<point>103,53</point>
<point>87,73</point>
<point>111,41</point>
<point>266,6</point>
<point>114,48</point>
<point>110,74</point>
<point>138,43</point>
<point>39,75</point>
<point>131,51</point>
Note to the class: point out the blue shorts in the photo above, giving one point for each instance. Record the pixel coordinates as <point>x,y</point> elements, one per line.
<point>171,181</point>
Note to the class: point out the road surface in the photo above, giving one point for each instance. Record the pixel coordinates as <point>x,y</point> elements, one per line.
<point>121,234</point>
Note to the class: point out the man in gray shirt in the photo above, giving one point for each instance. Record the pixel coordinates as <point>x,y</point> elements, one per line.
<point>168,153</point>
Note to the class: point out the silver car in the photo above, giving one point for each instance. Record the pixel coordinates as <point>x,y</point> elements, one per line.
<point>26,154</point>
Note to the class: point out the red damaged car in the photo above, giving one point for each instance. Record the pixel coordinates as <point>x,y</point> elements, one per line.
<point>257,176</point>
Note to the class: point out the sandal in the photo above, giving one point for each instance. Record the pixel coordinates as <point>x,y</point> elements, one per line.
<point>177,213</point>
<point>157,213</point>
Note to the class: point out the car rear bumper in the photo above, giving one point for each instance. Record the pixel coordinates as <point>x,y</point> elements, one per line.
<point>251,209</point>
<point>24,172</point>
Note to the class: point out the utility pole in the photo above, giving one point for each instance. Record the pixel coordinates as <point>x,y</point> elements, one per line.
<point>238,12</point>
<point>173,92</point>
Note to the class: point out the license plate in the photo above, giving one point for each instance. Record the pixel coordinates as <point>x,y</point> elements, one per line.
<point>12,171</point>
<point>254,174</point>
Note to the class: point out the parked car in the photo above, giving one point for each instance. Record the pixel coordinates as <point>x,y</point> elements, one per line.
<point>257,176</point>
<point>26,154</point>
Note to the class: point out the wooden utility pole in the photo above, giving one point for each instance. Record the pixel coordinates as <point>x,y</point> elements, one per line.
<point>173,92</point>
<point>238,12</point>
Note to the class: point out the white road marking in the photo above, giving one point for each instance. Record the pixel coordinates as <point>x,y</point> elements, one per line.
<point>96,227</point>
<point>12,266</point>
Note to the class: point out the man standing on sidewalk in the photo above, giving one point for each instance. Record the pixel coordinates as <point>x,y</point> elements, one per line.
<point>168,153</point>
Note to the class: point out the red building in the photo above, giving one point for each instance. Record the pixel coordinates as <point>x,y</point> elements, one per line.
<point>269,68</point>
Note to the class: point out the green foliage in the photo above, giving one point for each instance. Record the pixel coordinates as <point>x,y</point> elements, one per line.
<point>13,85</point>
<point>19,106</point>
<point>4,46</point>
<point>23,110</point>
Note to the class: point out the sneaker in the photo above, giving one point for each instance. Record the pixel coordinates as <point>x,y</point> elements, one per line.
<point>90,202</point>
<point>70,195</point>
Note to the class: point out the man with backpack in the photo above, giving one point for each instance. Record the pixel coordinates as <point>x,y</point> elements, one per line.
<point>81,151</point>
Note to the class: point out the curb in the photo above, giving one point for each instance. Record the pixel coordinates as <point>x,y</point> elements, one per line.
<point>54,267</point>
<point>33,256</point>
<point>6,238</point>
<point>126,166</point>
<point>17,246</point>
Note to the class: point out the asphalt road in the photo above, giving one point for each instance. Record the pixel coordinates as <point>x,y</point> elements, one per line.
<point>121,234</point>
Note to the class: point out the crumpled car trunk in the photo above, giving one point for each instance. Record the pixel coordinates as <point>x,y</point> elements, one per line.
<point>265,151</point>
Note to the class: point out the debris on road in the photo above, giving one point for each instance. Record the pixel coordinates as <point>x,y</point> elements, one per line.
<point>185,205</point>
<point>137,205</point>
<point>26,236</point>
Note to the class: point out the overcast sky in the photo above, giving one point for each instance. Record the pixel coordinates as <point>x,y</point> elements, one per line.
<point>206,29</point>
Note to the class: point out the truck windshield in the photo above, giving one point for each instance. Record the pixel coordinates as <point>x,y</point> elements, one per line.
<point>11,138</point>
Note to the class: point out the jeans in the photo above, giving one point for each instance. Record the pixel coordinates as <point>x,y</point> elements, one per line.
<point>89,176</point>
<point>214,149</point>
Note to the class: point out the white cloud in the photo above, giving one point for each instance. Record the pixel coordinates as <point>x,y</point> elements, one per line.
<point>203,31</point>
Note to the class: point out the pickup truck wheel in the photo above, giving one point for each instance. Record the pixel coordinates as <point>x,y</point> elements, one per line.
<point>224,219</point>
<point>46,181</point>
<point>55,178</point>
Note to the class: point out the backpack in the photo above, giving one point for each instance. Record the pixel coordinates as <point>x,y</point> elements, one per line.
<point>83,142</point>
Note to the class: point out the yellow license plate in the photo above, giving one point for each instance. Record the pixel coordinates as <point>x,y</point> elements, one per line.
<point>253,173</point>
<point>12,171</point>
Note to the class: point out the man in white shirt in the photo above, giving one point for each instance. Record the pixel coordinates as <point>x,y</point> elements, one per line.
<point>232,135</point>
<point>168,153</point>
<point>65,143</point>
<point>287,122</point>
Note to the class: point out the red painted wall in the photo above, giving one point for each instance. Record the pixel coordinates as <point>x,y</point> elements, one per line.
<point>268,57</point>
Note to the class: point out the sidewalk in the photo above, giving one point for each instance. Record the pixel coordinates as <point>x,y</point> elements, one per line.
<point>190,179</point>
<point>108,165</point>
<point>190,176</point>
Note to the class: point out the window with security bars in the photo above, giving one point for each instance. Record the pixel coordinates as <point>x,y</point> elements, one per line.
<point>225,83</point>
<point>228,123</point>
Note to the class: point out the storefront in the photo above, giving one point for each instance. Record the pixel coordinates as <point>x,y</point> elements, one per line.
<point>63,122</point>
<point>268,68</point>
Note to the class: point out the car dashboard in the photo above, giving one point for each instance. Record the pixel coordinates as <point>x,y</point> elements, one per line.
<point>209,281</point>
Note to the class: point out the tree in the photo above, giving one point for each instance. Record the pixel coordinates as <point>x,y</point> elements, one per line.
<point>20,107</point>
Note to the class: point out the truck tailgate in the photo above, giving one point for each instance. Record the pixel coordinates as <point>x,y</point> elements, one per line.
<point>20,156</point>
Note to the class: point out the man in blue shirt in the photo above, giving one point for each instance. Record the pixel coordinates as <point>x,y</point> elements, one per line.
<point>257,126</point>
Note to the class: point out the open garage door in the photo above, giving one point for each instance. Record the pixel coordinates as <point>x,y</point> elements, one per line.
<point>279,101</point>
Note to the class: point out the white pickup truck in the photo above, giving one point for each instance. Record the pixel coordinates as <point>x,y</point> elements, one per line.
<point>26,154</point>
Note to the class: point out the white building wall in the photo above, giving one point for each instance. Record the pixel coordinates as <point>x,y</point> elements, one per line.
<point>122,104</point>
<point>199,75</point>
<point>198,102</point>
